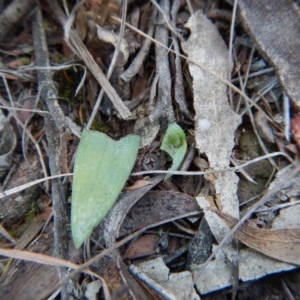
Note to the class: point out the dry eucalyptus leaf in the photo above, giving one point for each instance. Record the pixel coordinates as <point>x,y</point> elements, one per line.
<point>281,244</point>
<point>158,206</point>
<point>138,184</point>
<point>142,247</point>
<point>279,41</point>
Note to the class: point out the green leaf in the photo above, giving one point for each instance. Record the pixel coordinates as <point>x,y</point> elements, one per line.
<point>174,143</point>
<point>101,169</point>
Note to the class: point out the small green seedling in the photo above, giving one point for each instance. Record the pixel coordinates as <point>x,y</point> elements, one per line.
<point>102,167</point>
<point>174,143</point>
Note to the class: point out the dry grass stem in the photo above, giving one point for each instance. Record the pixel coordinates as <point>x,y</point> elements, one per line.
<point>32,183</point>
<point>233,169</point>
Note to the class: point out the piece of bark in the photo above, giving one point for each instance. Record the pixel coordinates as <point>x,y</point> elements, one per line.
<point>288,218</point>
<point>33,228</point>
<point>156,276</point>
<point>289,190</point>
<point>275,28</point>
<point>215,121</point>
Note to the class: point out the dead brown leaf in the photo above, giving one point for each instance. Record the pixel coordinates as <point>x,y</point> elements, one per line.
<point>142,247</point>
<point>281,244</point>
<point>138,184</point>
<point>156,207</point>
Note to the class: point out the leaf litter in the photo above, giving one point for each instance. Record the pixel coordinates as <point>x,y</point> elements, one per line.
<point>220,132</point>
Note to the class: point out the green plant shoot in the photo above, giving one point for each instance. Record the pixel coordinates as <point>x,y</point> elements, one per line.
<point>174,143</point>
<point>102,167</point>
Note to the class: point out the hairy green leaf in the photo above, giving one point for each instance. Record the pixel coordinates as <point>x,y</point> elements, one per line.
<point>101,169</point>
<point>174,143</point>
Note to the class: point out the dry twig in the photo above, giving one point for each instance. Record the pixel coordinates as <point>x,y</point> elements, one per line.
<point>54,126</point>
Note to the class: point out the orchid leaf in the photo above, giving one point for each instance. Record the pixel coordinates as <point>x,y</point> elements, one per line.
<point>102,167</point>
<point>174,143</point>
